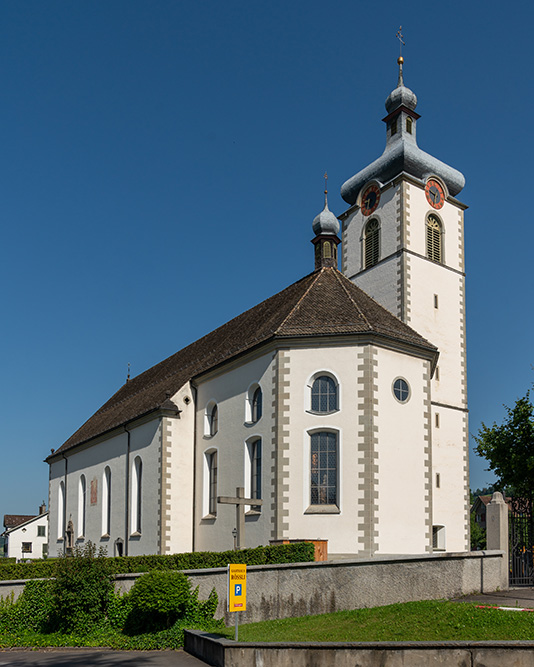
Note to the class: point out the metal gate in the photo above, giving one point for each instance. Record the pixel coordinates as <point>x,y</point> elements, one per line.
<point>521,542</point>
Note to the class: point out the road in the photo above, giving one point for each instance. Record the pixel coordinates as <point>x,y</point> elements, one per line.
<point>97,658</point>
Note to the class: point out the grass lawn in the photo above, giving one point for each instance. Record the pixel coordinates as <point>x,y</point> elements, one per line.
<point>429,620</point>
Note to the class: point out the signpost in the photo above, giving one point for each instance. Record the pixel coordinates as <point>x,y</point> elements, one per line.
<point>237,591</point>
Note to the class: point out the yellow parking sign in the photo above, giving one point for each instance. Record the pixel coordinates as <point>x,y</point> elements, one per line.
<point>237,587</point>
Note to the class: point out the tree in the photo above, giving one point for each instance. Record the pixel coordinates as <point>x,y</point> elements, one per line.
<point>478,535</point>
<point>509,448</point>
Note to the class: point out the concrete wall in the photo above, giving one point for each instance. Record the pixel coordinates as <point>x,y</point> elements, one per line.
<point>226,653</point>
<point>299,589</point>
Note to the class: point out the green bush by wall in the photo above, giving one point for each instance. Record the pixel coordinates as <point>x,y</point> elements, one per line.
<point>297,552</point>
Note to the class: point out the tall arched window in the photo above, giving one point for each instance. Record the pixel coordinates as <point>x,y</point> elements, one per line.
<point>211,463</point>
<point>253,471</point>
<point>371,241</point>
<point>81,506</point>
<point>61,510</point>
<point>106,501</point>
<point>433,238</point>
<point>137,496</point>
<point>409,124</point>
<point>324,394</point>
<point>324,469</point>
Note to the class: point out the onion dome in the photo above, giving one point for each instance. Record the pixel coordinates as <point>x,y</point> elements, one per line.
<point>326,222</point>
<point>402,154</point>
<point>401,96</point>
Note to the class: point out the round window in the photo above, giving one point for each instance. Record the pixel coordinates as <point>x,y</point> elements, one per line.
<point>401,390</point>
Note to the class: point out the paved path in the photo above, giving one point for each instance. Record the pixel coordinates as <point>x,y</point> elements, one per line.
<point>515,597</point>
<point>84,657</point>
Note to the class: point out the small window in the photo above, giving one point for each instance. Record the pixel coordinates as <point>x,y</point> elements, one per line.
<point>26,547</point>
<point>323,469</point>
<point>324,394</point>
<point>401,390</point>
<point>437,374</point>
<point>409,123</point>
<point>41,531</point>
<point>438,480</point>
<point>436,302</point>
<point>327,250</point>
<point>393,127</point>
<point>256,405</point>
<point>433,238</point>
<point>437,419</point>
<point>211,419</point>
<point>371,242</point>
<point>44,550</point>
<point>438,538</point>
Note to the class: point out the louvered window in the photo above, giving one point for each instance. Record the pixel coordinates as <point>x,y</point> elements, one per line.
<point>372,243</point>
<point>433,239</point>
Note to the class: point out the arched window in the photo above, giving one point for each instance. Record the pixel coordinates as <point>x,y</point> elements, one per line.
<point>324,469</point>
<point>433,238</point>
<point>371,241</point>
<point>61,510</point>
<point>257,406</point>
<point>324,394</point>
<point>253,471</point>
<point>393,126</point>
<point>409,124</point>
<point>106,501</point>
<point>211,420</point>
<point>137,496</point>
<point>211,483</point>
<point>81,506</point>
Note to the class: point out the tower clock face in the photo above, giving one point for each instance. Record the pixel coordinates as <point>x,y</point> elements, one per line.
<point>434,194</point>
<point>370,199</point>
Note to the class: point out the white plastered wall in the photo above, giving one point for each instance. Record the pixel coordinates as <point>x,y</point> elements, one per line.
<point>228,389</point>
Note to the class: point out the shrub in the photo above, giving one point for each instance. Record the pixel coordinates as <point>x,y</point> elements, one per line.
<point>158,599</point>
<point>81,590</point>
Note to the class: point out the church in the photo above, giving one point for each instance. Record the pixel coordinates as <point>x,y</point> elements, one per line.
<point>338,404</point>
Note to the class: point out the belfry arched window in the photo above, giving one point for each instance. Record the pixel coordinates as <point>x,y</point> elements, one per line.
<point>434,233</point>
<point>371,243</point>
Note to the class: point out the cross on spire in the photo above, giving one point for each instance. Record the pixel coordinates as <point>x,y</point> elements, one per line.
<point>325,188</point>
<point>401,41</point>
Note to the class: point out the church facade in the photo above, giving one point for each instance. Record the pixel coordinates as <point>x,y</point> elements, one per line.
<point>339,403</point>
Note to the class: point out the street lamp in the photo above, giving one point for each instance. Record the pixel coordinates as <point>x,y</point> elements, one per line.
<point>234,533</point>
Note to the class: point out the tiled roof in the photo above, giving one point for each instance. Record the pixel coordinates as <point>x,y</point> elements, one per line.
<point>324,303</point>
<point>13,520</point>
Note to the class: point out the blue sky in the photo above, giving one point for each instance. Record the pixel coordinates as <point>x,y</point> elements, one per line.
<point>161,163</point>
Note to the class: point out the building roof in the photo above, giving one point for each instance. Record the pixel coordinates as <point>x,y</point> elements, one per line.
<point>402,154</point>
<point>14,520</point>
<point>324,303</point>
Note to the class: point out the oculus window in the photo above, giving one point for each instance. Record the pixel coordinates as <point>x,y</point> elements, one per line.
<point>401,390</point>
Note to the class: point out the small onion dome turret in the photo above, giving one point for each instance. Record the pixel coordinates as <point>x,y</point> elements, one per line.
<point>326,222</point>
<point>401,96</point>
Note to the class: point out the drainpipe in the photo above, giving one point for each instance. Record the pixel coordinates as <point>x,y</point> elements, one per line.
<point>194,401</point>
<point>64,527</point>
<point>127,486</point>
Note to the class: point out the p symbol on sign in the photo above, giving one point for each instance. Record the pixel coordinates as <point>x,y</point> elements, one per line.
<point>238,589</point>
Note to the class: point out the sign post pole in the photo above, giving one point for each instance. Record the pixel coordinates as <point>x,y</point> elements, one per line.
<point>237,592</point>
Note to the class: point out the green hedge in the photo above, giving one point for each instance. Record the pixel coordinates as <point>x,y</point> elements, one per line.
<point>297,552</point>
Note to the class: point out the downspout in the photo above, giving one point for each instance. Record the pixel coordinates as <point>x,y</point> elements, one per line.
<point>64,526</point>
<point>194,396</point>
<point>127,487</point>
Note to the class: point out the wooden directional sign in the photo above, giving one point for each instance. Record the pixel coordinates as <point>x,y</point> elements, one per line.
<point>237,587</point>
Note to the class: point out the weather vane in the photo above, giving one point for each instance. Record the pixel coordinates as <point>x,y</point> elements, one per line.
<point>401,41</point>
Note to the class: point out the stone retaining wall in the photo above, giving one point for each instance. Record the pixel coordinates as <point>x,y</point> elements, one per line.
<point>299,589</point>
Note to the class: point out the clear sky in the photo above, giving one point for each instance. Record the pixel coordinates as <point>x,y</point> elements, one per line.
<point>162,161</point>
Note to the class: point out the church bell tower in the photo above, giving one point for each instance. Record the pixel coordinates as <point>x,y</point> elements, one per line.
<point>403,244</point>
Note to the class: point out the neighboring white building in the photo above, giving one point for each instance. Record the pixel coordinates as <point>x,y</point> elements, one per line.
<point>26,537</point>
<point>331,408</point>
